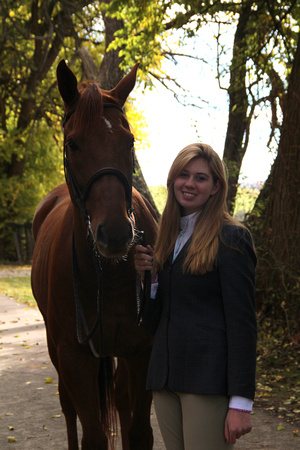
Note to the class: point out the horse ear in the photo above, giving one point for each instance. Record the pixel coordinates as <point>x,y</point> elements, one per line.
<point>67,83</point>
<point>125,86</point>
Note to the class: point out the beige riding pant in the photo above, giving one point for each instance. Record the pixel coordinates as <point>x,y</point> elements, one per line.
<point>191,421</point>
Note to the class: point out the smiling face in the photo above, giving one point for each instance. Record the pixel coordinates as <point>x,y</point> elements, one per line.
<point>194,185</point>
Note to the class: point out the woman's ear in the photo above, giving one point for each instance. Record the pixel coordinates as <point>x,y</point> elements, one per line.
<point>216,187</point>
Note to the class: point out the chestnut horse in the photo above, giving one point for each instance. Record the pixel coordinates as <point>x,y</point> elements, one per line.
<point>83,275</point>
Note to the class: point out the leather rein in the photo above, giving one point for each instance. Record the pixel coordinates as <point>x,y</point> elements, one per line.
<point>80,196</point>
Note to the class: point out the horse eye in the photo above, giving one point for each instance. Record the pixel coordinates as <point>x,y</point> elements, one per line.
<point>72,146</point>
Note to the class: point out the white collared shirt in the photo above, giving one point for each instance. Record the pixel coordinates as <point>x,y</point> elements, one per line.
<point>187,224</point>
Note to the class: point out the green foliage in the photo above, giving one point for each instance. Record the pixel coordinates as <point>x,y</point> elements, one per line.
<point>159,194</point>
<point>34,36</point>
<point>244,202</point>
<point>43,170</point>
<point>140,39</point>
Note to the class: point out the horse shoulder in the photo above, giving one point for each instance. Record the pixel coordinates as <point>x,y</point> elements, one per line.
<point>56,196</point>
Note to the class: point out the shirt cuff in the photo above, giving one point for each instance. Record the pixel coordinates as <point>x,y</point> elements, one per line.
<point>240,403</point>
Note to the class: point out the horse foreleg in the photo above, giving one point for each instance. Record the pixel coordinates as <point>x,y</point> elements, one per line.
<point>70,417</point>
<point>80,371</point>
<point>122,402</point>
<point>140,434</point>
<point>65,400</point>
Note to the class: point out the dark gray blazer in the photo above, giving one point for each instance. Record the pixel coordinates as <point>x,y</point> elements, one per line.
<point>205,325</point>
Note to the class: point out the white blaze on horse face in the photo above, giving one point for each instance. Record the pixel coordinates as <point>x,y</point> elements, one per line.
<point>108,124</point>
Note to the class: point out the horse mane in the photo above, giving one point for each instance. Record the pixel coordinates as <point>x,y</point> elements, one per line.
<point>89,108</point>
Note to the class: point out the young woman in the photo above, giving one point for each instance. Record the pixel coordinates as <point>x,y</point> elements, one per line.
<point>201,311</point>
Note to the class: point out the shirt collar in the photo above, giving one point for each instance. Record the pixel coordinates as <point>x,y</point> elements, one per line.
<point>187,223</point>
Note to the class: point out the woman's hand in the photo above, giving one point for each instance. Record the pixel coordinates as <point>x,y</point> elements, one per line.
<point>237,423</point>
<point>144,259</point>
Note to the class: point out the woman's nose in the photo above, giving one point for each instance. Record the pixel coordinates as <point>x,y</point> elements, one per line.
<point>189,182</point>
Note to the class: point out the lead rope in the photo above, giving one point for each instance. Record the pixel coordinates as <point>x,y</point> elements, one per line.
<point>142,294</point>
<point>80,318</point>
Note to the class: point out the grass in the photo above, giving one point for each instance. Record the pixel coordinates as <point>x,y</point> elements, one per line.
<point>18,288</point>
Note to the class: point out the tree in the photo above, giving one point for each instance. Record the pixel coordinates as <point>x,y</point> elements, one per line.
<point>34,36</point>
<point>277,213</point>
<point>263,43</point>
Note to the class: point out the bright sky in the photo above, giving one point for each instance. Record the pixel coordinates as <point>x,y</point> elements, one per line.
<point>172,126</point>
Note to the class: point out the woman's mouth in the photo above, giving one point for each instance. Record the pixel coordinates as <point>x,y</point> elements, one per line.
<point>188,194</point>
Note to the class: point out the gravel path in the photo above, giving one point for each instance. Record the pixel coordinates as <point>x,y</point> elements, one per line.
<point>30,413</point>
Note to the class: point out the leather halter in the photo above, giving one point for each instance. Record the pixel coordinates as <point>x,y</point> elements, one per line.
<point>81,195</point>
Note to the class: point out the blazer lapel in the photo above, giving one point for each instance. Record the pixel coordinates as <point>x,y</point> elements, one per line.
<point>182,253</point>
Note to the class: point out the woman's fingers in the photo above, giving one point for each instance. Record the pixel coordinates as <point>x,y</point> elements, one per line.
<point>143,259</point>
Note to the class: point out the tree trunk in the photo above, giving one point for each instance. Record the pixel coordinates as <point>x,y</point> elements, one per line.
<point>278,234</point>
<point>234,150</point>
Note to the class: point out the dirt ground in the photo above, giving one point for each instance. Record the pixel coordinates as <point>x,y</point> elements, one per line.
<point>30,413</point>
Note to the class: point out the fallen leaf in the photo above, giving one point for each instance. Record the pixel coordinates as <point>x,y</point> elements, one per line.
<point>11,439</point>
<point>10,428</point>
<point>296,432</point>
<point>280,428</point>
<point>56,416</point>
<point>48,380</point>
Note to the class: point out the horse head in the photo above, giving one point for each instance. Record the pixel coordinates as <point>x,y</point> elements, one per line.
<point>98,151</point>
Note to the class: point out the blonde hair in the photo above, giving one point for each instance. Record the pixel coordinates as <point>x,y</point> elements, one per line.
<point>203,249</point>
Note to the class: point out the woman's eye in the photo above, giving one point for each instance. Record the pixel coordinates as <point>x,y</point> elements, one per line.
<point>200,178</point>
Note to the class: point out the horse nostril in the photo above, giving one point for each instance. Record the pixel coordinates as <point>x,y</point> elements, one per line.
<point>101,237</point>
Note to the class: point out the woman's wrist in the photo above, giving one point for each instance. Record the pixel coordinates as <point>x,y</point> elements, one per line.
<point>240,410</point>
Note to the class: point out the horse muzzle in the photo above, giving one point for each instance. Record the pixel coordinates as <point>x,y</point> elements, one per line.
<point>113,240</point>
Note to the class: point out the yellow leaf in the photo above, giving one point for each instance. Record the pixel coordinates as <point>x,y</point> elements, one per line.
<point>48,381</point>
<point>296,432</point>
<point>11,439</point>
<point>56,416</point>
<point>280,428</point>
